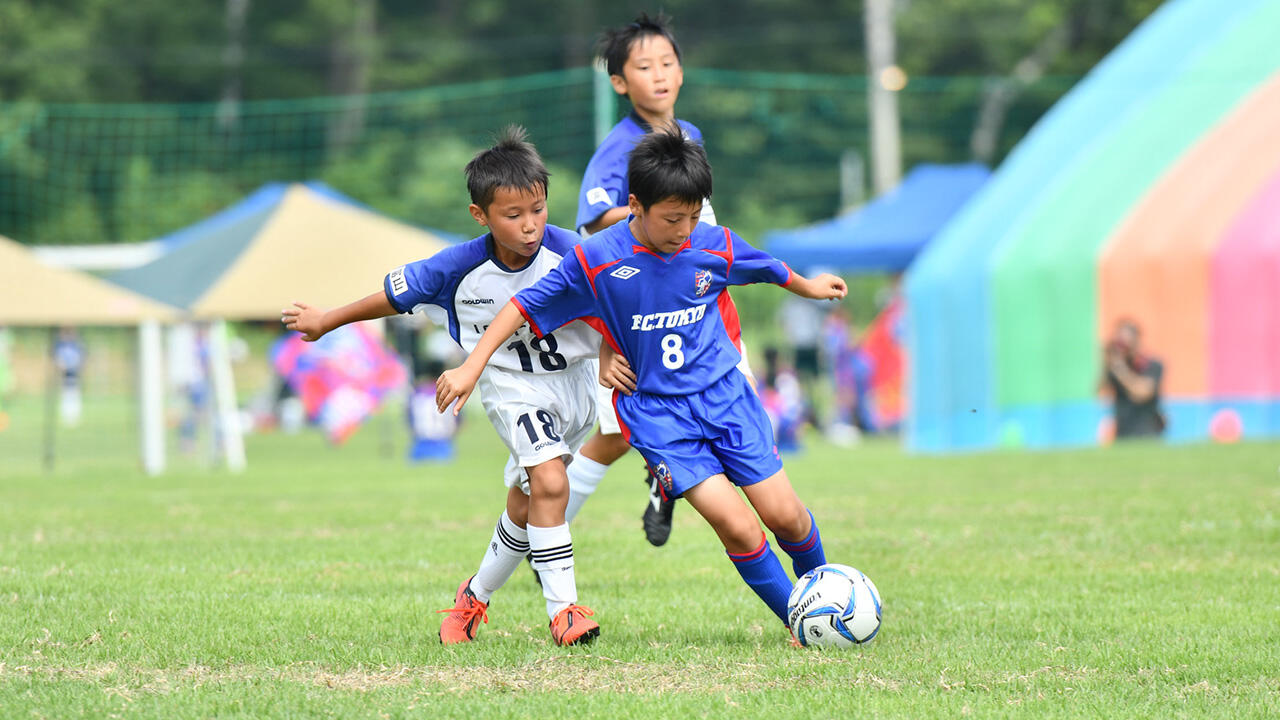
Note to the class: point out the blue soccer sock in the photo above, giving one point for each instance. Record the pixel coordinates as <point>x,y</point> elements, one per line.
<point>806,554</point>
<point>762,571</point>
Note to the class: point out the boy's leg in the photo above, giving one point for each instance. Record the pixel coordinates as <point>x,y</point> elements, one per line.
<point>588,468</point>
<point>551,546</point>
<point>508,546</point>
<point>789,521</point>
<point>718,501</point>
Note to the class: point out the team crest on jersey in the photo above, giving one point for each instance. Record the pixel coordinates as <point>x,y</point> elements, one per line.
<point>701,282</point>
<point>663,473</point>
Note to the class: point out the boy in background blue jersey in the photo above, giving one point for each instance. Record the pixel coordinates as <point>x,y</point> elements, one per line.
<point>643,60</point>
<point>650,286</point>
<point>538,392</point>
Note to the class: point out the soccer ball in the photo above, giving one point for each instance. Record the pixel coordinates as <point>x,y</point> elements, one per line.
<point>834,606</point>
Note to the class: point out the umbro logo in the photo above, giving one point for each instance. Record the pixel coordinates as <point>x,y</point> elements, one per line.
<point>624,272</point>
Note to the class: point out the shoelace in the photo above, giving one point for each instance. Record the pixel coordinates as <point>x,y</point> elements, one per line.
<point>580,610</point>
<point>469,613</point>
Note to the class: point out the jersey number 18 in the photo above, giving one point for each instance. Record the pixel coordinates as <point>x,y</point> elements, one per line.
<point>548,358</point>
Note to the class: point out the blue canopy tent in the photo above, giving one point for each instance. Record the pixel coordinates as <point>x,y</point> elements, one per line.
<point>885,234</point>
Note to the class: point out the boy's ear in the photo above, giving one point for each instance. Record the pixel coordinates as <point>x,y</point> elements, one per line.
<point>478,214</point>
<point>633,206</point>
<point>619,84</point>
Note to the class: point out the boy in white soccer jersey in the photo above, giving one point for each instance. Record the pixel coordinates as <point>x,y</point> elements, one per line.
<point>650,284</point>
<point>538,391</point>
<point>644,63</point>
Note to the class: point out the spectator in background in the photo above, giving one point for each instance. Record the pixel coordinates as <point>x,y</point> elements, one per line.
<point>840,356</point>
<point>783,401</point>
<point>431,429</point>
<point>801,322</point>
<point>1134,381</point>
<point>68,356</point>
<point>6,374</point>
<point>188,360</point>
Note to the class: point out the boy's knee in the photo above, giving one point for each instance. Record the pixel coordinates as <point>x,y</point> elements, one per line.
<point>548,479</point>
<point>790,524</point>
<point>741,537</point>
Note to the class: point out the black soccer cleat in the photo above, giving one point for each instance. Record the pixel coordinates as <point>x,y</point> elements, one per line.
<point>657,513</point>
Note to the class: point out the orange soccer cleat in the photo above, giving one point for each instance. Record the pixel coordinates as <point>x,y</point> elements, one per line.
<point>464,617</point>
<point>570,626</point>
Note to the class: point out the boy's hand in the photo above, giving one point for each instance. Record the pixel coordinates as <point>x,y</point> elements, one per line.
<point>305,319</point>
<point>456,384</point>
<point>616,373</point>
<point>828,287</point>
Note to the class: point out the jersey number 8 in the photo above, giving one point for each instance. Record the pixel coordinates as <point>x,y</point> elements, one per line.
<point>672,354</point>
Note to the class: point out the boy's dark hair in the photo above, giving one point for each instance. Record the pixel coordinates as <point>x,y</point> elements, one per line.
<point>513,162</point>
<point>666,164</point>
<point>615,43</point>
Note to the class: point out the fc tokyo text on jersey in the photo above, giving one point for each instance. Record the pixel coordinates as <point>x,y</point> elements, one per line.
<point>471,284</point>
<point>661,313</point>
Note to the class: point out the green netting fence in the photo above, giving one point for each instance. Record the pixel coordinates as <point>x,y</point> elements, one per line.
<point>86,173</point>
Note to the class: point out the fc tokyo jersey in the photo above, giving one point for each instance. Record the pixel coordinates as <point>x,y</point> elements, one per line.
<point>661,313</point>
<point>604,184</point>
<point>471,284</point>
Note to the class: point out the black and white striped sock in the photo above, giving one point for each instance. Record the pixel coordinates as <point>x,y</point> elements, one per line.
<point>509,545</point>
<point>552,550</point>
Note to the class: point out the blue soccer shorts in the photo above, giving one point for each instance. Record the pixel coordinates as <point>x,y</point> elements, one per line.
<point>686,439</point>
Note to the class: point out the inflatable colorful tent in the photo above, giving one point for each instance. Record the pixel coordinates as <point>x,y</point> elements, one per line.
<point>1150,191</point>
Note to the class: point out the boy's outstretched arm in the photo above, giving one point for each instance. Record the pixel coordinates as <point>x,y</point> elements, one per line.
<point>823,287</point>
<point>313,322</point>
<point>458,383</point>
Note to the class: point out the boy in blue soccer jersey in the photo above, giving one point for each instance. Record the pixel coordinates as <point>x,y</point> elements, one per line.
<point>643,60</point>
<point>538,391</point>
<point>650,286</point>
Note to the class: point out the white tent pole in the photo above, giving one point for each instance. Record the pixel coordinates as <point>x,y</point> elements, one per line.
<point>224,397</point>
<point>151,397</point>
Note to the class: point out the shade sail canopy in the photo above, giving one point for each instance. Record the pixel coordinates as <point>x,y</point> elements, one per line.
<point>303,244</point>
<point>33,293</point>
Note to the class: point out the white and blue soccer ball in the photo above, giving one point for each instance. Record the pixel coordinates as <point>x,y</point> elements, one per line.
<point>834,606</point>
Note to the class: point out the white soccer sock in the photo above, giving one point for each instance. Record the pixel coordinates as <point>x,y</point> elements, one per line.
<point>552,550</point>
<point>510,545</point>
<point>585,475</point>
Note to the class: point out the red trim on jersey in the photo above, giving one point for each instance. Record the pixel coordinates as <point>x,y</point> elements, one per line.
<point>727,253</point>
<point>729,313</point>
<point>592,272</point>
<point>532,325</point>
<point>626,431</point>
<point>791,275</point>
<point>603,329</point>
<point>754,554</point>
<point>640,248</point>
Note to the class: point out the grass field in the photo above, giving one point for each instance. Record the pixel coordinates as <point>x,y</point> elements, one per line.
<point>1135,581</point>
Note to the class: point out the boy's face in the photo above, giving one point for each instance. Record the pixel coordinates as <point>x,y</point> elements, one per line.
<point>651,77</point>
<point>517,217</point>
<point>666,225</point>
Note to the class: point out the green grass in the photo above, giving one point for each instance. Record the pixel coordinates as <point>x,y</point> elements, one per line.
<point>1137,581</point>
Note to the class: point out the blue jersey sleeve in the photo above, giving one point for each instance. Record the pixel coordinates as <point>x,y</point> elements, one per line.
<point>432,281</point>
<point>751,265</point>
<point>604,184</point>
<point>560,297</point>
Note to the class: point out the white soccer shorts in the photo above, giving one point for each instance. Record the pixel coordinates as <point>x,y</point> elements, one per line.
<point>604,396</point>
<point>540,417</point>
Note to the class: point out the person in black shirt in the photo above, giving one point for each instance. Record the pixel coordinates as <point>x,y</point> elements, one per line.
<point>1134,380</point>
